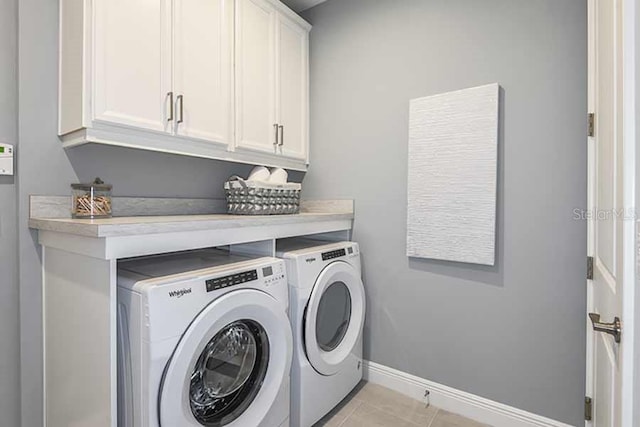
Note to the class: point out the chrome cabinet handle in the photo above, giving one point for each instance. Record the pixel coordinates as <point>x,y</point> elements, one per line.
<point>281,135</point>
<point>180,99</point>
<point>275,127</point>
<point>614,328</point>
<point>170,95</point>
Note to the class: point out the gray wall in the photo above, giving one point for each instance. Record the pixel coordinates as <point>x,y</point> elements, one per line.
<point>514,333</point>
<point>45,168</point>
<point>9,295</point>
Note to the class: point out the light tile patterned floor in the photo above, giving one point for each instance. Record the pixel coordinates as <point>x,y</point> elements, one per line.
<point>371,405</point>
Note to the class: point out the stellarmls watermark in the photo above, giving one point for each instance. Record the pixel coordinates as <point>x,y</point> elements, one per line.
<point>630,214</point>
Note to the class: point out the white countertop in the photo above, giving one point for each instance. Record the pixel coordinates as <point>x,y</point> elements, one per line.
<point>130,226</point>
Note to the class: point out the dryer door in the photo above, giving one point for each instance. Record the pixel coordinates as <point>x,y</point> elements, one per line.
<point>334,317</point>
<point>230,364</point>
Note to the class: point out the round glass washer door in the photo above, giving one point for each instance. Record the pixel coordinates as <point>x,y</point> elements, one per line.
<point>334,317</point>
<point>230,364</point>
<point>229,373</point>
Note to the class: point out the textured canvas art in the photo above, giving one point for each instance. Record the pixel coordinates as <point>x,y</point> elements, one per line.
<point>453,156</point>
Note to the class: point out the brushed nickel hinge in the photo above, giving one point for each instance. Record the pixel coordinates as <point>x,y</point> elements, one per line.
<point>588,408</point>
<point>589,268</point>
<point>591,129</point>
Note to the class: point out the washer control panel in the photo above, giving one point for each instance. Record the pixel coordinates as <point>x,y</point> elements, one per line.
<point>273,274</point>
<point>267,275</point>
<point>231,280</point>
<point>333,254</point>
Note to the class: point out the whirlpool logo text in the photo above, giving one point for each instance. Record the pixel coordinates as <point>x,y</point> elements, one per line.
<point>179,293</point>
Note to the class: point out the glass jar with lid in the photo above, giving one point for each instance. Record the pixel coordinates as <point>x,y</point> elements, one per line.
<point>89,201</point>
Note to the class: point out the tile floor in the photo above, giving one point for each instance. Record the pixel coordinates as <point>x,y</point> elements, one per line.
<point>371,405</point>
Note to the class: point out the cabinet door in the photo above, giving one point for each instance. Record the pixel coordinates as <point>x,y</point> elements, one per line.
<point>203,67</point>
<point>132,62</point>
<point>292,87</point>
<point>255,75</point>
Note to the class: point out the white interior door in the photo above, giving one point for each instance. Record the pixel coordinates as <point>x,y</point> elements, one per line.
<point>203,68</point>
<point>132,65</point>
<point>255,75</point>
<point>292,87</point>
<point>606,202</point>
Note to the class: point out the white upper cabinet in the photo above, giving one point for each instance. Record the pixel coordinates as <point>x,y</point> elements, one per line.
<point>255,75</point>
<point>272,80</point>
<point>292,88</point>
<point>203,69</point>
<point>132,68</point>
<point>222,79</point>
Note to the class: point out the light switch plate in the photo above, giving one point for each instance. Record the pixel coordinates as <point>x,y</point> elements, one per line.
<point>6,159</point>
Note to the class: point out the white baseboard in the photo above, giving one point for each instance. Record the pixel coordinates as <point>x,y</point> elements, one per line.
<point>456,401</point>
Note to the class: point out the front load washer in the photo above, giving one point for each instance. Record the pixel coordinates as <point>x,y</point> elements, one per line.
<point>327,310</point>
<point>203,340</point>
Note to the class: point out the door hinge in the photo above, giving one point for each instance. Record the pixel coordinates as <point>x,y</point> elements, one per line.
<point>588,408</point>
<point>591,128</point>
<point>589,268</point>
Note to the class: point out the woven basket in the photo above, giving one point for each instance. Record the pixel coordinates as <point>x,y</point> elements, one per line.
<point>261,198</point>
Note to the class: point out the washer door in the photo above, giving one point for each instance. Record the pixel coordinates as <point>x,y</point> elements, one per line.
<point>229,365</point>
<point>334,317</point>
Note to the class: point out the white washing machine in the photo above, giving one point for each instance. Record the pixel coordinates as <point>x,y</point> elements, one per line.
<point>203,340</point>
<point>327,310</point>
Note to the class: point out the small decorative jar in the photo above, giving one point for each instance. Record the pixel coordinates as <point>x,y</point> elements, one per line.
<point>91,201</point>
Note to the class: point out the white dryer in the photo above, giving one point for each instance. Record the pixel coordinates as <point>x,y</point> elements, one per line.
<point>203,340</point>
<point>327,310</point>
